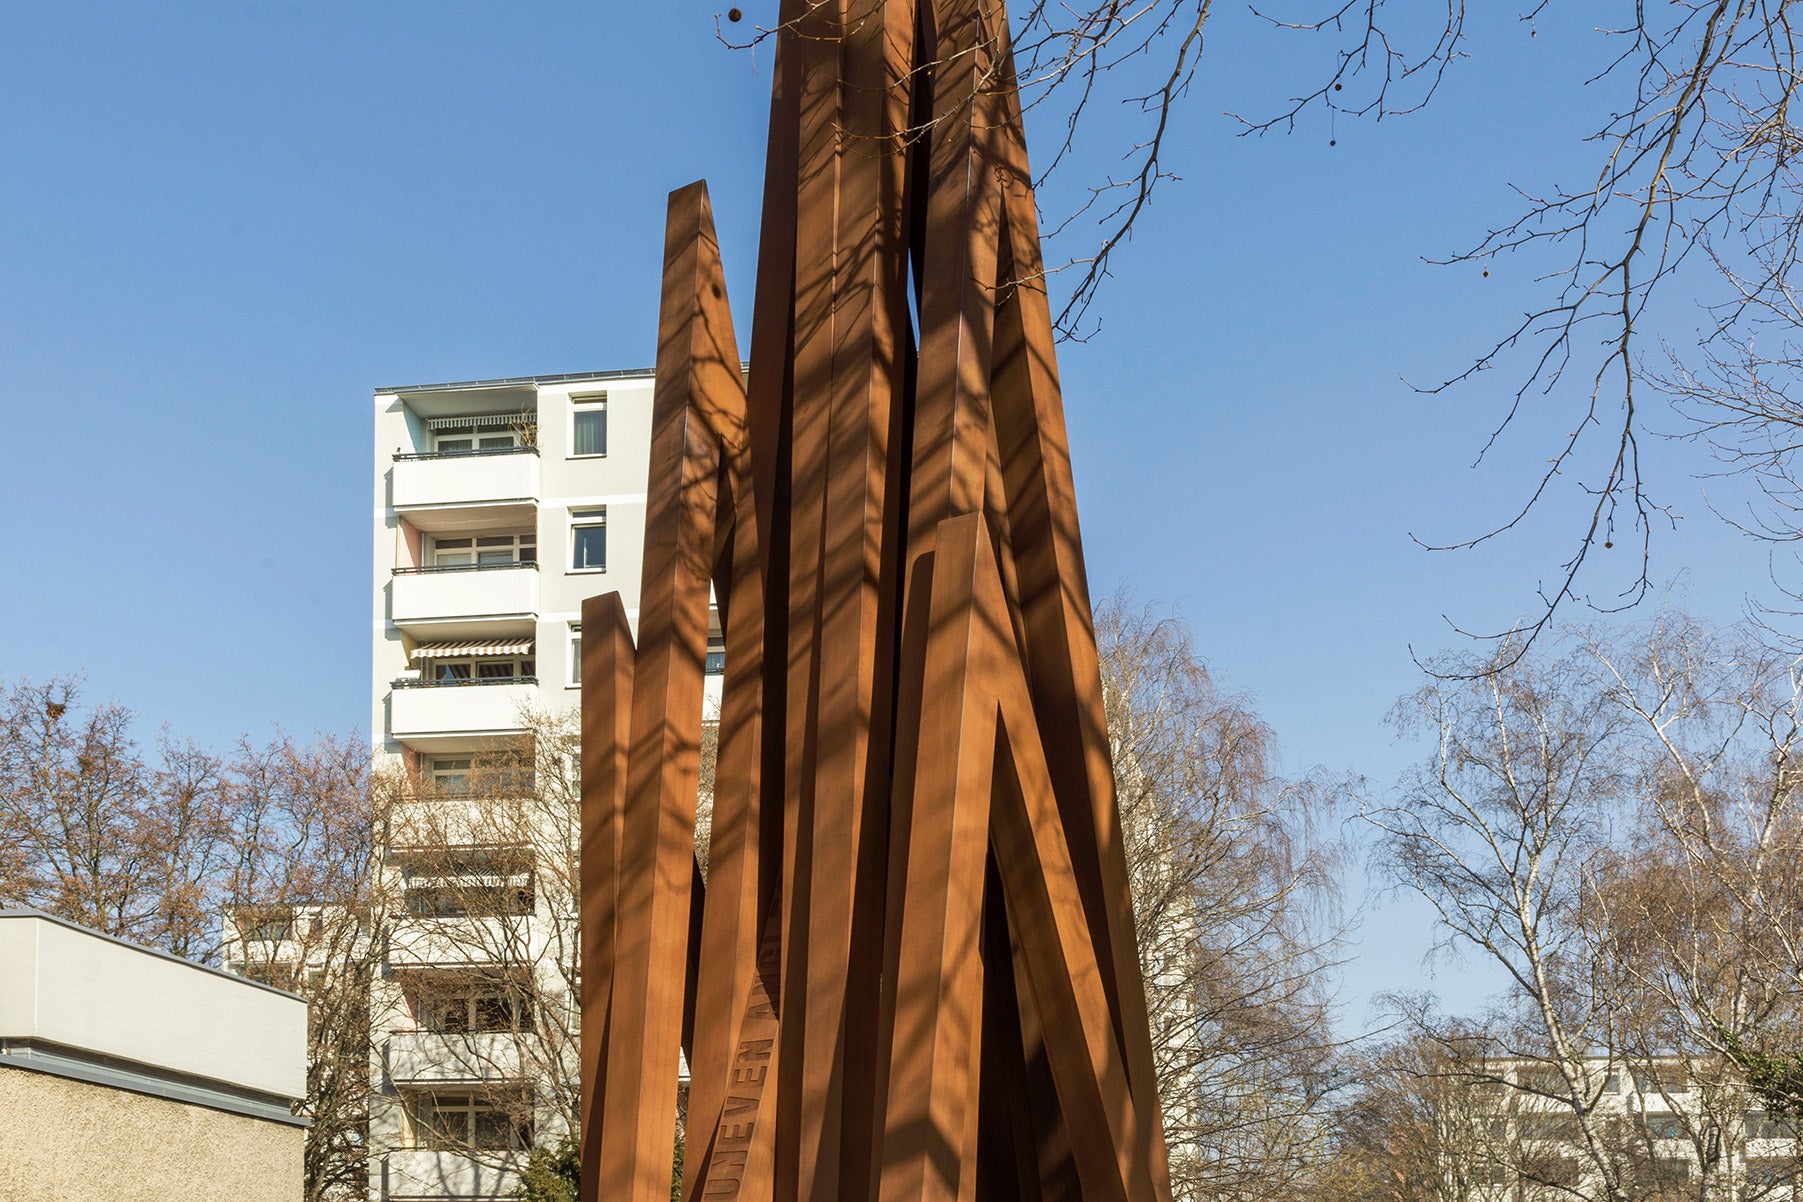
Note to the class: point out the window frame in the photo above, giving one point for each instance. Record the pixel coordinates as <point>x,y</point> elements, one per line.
<point>592,518</point>
<point>474,1006</point>
<point>573,652</point>
<point>451,895</point>
<point>475,669</point>
<point>445,777</point>
<point>587,404</point>
<point>467,1104</point>
<point>520,546</point>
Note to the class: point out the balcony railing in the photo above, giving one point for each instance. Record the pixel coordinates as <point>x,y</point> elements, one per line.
<point>409,682</point>
<point>430,715</point>
<point>474,1056</point>
<point>434,569</point>
<point>464,593</point>
<point>410,456</point>
<point>414,1172</point>
<point>446,491</point>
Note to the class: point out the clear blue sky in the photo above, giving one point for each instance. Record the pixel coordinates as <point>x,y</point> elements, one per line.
<point>223,225</point>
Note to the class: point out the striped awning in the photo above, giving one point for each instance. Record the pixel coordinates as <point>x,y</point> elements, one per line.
<point>469,648</point>
<point>482,421</point>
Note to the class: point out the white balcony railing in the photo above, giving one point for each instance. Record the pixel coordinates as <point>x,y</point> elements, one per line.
<point>428,942</point>
<point>422,716</point>
<point>461,480</point>
<point>440,822</point>
<point>409,1173</point>
<point>486,1056</point>
<point>438,595</point>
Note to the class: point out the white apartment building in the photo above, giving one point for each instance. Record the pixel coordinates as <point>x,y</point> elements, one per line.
<point>1513,1135</point>
<point>499,506</point>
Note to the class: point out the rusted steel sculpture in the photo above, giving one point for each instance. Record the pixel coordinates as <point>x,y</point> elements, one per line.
<point>910,973</point>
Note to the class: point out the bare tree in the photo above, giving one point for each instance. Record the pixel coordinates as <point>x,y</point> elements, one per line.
<point>1691,147</point>
<point>1496,832</point>
<point>301,899</point>
<point>1613,827</point>
<point>1420,1123</point>
<point>93,836</point>
<point>258,860</point>
<point>1234,900</point>
<point>1700,909</point>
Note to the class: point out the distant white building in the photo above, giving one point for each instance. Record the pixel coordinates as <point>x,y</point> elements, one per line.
<point>499,506</point>
<point>134,1076</point>
<point>1517,1137</point>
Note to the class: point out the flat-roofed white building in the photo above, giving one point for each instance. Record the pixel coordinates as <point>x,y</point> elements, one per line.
<point>129,1074</point>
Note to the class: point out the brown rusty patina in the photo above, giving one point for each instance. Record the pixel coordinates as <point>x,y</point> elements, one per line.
<point>910,973</point>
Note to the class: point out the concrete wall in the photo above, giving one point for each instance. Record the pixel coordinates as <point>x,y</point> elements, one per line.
<point>63,1140</point>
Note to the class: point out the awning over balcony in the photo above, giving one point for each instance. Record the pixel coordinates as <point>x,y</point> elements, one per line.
<point>466,648</point>
<point>482,421</point>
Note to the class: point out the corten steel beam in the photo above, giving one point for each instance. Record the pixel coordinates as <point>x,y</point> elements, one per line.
<point>911,972</point>
<point>697,373</point>
<point>606,725</point>
<point>729,1149</point>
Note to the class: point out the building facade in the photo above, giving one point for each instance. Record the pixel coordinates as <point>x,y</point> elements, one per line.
<point>1663,1130</point>
<point>499,506</point>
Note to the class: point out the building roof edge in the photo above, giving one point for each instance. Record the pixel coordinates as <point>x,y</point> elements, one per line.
<point>521,381</point>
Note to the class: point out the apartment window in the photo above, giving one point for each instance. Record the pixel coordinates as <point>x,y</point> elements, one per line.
<point>487,551</point>
<point>1542,1079</point>
<point>484,670</point>
<point>588,425</point>
<point>483,1121</point>
<point>458,1004</point>
<point>575,673</point>
<point>266,924</point>
<point>1761,1125</point>
<point>482,433</point>
<point>278,974</point>
<point>1561,1127</point>
<point>474,883</point>
<point>474,444</point>
<point>496,774</point>
<point>588,540</point>
<point>715,665</point>
<point>1563,1172</point>
<point>1766,1172</point>
<point>449,774</point>
<point>1664,1078</point>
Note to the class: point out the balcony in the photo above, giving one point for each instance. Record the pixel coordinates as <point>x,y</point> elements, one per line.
<point>441,822</point>
<point>450,715</point>
<point>417,1056</point>
<point>465,596</point>
<point>438,942</point>
<point>408,1173</point>
<point>467,490</point>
